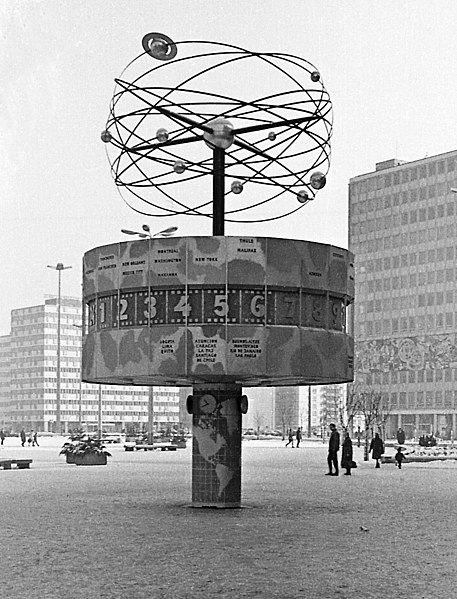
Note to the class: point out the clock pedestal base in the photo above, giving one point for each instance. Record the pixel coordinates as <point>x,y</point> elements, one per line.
<point>216,447</point>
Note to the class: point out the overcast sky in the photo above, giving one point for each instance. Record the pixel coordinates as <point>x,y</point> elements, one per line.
<point>389,68</point>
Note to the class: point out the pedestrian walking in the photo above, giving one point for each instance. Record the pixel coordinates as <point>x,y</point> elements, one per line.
<point>30,438</point>
<point>290,435</point>
<point>333,448</point>
<point>401,436</point>
<point>298,436</point>
<point>377,447</point>
<point>346,454</point>
<point>2,436</point>
<point>399,457</point>
<point>23,437</point>
<point>35,439</point>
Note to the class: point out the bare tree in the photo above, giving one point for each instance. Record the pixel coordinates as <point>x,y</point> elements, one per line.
<point>258,421</point>
<point>285,414</point>
<point>374,407</point>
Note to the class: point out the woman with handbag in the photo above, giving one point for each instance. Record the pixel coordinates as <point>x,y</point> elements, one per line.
<point>346,455</point>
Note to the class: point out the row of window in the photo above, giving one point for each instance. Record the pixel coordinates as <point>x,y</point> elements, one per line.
<point>406,174</point>
<point>405,239</point>
<point>423,399</point>
<point>421,300</point>
<point>413,279</point>
<point>395,377</point>
<point>377,206</point>
<point>405,324</point>
<point>405,302</point>
<point>392,221</point>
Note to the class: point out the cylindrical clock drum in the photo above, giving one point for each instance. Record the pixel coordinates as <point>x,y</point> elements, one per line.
<point>218,314</point>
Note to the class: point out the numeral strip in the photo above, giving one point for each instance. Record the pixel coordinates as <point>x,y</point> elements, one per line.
<point>213,306</point>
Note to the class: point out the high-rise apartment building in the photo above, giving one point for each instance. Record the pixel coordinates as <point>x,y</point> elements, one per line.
<point>28,379</point>
<point>403,232</point>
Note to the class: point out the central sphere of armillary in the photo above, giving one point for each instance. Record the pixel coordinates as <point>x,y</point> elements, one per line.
<point>222,135</point>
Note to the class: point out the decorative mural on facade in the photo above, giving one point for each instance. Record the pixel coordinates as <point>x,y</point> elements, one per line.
<point>408,353</point>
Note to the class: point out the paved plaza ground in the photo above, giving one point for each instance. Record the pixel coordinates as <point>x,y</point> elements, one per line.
<point>126,530</point>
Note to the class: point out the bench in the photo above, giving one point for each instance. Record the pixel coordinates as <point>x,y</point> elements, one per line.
<point>148,447</point>
<point>20,464</point>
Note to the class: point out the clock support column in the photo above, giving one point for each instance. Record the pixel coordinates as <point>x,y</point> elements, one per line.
<point>216,446</point>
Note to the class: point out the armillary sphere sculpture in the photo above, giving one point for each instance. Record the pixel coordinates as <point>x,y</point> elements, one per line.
<point>272,144</point>
<point>218,313</point>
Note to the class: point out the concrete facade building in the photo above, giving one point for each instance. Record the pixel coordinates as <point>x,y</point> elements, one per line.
<point>403,232</point>
<point>28,379</point>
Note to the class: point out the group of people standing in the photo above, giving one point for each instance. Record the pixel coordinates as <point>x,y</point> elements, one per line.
<point>347,462</point>
<point>32,438</point>
<point>290,437</point>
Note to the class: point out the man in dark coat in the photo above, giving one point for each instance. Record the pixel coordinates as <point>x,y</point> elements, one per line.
<point>401,436</point>
<point>346,454</point>
<point>377,447</point>
<point>23,437</point>
<point>333,448</point>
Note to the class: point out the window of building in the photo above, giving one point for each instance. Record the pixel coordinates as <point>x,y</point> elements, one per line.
<point>394,325</point>
<point>441,167</point>
<point>411,376</point>
<point>412,323</point>
<point>422,257</point>
<point>403,374</point>
<point>393,400</point>
<point>440,254</point>
<point>422,214</point>
<point>420,399</point>
<point>440,212</point>
<point>448,399</point>
<point>420,376</point>
<point>449,320</point>
<point>429,399</point>
<point>386,284</point>
<point>449,296</point>
<point>431,234</point>
<point>450,209</point>
<point>450,253</point>
<point>402,400</point>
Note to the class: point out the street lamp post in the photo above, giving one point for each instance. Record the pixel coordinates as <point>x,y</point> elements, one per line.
<point>147,234</point>
<point>59,267</point>
<point>100,426</point>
